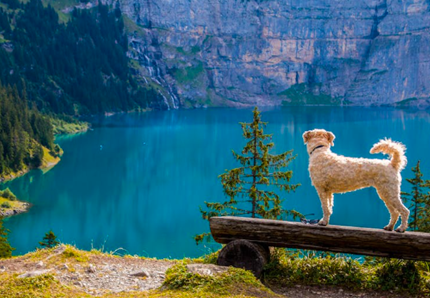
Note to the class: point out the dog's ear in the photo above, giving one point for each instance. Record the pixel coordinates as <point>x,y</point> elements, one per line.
<point>330,138</point>
<point>306,136</point>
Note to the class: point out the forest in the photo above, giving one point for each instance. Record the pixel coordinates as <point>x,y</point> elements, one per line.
<point>50,69</point>
<point>78,67</point>
<point>23,132</point>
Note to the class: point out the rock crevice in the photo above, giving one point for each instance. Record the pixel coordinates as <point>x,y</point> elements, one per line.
<point>231,52</point>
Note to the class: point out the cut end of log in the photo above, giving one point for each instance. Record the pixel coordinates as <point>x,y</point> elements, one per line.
<point>246,255</point>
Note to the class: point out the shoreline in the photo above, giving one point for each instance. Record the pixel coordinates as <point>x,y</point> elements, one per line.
<point>21,207</point>
<point>46,166</point>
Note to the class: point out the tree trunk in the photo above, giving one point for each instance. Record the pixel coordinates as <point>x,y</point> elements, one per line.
<point>363,241</point>
<point>246,255</point>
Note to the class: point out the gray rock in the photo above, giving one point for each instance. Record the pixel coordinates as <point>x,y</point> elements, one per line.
<point>141,273</point>
<point>230,52</point>
<point>39,264</point>
<point>34,273</point>
<point>59,249</point>
<point>206,269</point>
<point>91,269</point>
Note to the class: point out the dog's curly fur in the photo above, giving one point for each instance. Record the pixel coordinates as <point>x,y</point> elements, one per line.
<point>331,173</point>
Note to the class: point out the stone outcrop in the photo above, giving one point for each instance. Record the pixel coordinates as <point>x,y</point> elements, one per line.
<point>247,52</point>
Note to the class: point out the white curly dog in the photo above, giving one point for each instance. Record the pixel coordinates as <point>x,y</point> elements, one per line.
<point>331,173</point>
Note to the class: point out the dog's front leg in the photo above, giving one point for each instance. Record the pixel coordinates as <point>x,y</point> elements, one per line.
<point>327,206</point>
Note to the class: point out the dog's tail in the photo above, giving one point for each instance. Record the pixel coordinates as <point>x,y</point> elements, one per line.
<point>395,149</point>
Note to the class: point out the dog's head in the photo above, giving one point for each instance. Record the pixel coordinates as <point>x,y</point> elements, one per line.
<point>316,137</point>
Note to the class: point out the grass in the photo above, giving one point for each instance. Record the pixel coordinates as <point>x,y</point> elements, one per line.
<point>188,74</point>
<point>13,204</point>
<point>288,268</point>
<point>132,27</point>
<point>68,126</point>
<point>34,287</point>
<point>233,283</point>
<point>178,283</point>
<point>9,201</point>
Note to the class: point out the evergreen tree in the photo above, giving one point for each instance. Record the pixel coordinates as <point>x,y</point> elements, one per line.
<point>5,248</point>
<point>419,201</point>
<point>250,189</point>
<point>76,67</point>
<point>49,241</point>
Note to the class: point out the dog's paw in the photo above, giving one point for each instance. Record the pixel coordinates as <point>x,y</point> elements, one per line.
<point>388,228</point>
<point>322,222</point>
<point>400,230</point>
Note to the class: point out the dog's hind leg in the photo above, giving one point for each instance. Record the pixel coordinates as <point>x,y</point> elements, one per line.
<point>404,213</point>
<point>394,216</point>
<point>327,206</point>
<point>391,199</point>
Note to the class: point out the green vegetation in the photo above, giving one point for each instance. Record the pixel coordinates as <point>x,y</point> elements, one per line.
<point>188,74</point>
<point>287,268</point>
<point>250,188</point>
<point>24,134</point>
<point>9,203</point>
<point>300,95</point>
<point>5,205</point>
<point>290,267</point>
<point>49,241</point>
<point>76,67</point>
<point>406,102</point>
<point>418,201</point>
<point>45,285</point>
<point>68,125</point>
<point>7,194</point>
<point>233,282</point>
<point>5,248</point>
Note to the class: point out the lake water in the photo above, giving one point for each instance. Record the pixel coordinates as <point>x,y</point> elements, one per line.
<point>137,180</point>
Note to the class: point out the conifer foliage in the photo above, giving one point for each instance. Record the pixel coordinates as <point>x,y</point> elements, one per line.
<point>23,132</point>
<point>78,67</point>
<point>419,201</point>
<point>251,188</point>
<point>49,241</point>
<point>5,248</point>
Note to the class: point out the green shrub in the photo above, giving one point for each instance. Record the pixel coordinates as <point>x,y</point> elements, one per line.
<point>7,194</point>
<point>395,274</point>
<point>232,282</point>
<point>5,205</point>
<point>291,267</point>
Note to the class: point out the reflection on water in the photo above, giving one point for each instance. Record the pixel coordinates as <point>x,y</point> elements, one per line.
<point>137,181</point>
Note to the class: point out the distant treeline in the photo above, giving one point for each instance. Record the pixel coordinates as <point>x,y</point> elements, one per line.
<point>23,132</point>
<point>77,67</point>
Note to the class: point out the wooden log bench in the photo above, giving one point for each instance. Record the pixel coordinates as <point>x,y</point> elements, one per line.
<point>248,241</point>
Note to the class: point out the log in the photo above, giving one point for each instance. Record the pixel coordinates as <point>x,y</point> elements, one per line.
<point>246,255</point>
<point>362,241</point>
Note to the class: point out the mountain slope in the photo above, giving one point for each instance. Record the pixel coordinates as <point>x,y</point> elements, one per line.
<point>231,52</point>
<point>77,67</point>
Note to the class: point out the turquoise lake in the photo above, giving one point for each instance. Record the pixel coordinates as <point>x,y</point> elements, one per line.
<point>136,181</point>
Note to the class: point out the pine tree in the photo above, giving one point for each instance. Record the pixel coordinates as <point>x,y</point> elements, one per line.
<point>5,248</point>
<point>250,189</point>
<point>419,201</point>
<point>49,241</point>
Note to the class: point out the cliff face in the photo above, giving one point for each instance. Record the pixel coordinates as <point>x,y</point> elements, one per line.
<point>247,52</point>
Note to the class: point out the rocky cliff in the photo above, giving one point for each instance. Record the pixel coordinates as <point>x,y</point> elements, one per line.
<point>265,52</point>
